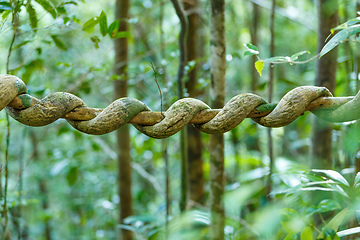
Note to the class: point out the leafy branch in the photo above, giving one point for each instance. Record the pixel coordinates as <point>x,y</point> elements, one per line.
<point>259,64</point>
<point>112,30</point>
<point>343,32</point>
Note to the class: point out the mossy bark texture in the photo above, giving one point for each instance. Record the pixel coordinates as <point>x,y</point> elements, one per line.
<point>123,136</point>
<point>217,94</point>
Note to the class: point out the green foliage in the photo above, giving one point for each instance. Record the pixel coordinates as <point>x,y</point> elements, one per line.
<point>32,16</point>
<point>340,37</point>
<point>250,50</point>
<point>259,64</point>
<point>349,29</point>
<point>58,42</point>
<point>67,46</point>
<point>112,30</point>
<point>90,24</point>
<point>5,5</point>
<point>47,6</point>
<point>103,23</point>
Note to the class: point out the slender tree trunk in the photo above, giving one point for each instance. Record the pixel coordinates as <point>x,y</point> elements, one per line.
<point>165,141</point>
<point>254,41</point>
<point>321,151</point>
<point>42,187</point>
<point>123,136</point>
<point>270,94</point>
<point>217,94</point>
<point>195,166</point>
<point>181,85</point>
<point>325,76</point>
<point>45,206</point>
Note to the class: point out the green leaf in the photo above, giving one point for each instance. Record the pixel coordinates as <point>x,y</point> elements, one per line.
<point>297,55</point>
<point>61,10</point>
<point>332,175</point>
<point>5,6</point>
<point>32,17</point>
<point>95,40</point>
<point>345,25</point>
<point>250,50</point>
<point>5,14</point>
<point>72,175</point>
<point>70,3</point>
<point>76,20</point>
<point>357,178</point>
<point>291,236</point>
<point>66,20</point>
<point>353,21</point>
<point>113,28</point>
<point>317,189</point>
<point>20,45</point>
<point>340,27</point>
<point>306,234</point>
<point>58,42</point>
<point>350,231</point>
<point>327,205</point>
<point>47,6</point>
<point>338,38</point>
<point>103,23</point>
<point>39,50</point>
<point>122,34</point>
<point>251,47</point>
<point>90,24</point>
<point>335,223</point>
<point>259,65</point>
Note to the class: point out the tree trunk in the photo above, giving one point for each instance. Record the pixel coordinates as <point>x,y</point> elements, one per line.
<point>123,136</point>
<point>178,6</point>
<point>43,189</point>
<point>165,141</point>
<point>195,166</point>
<point>321,152</point>
<point>325,76</point>
<point>217,94</point>
<point>270,96</point>
<point>254,41</point>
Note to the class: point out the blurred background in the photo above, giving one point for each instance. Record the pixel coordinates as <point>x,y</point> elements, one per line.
<point>63,184</point>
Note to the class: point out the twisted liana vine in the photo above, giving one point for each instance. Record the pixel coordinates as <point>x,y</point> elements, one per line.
<point>34,112</point>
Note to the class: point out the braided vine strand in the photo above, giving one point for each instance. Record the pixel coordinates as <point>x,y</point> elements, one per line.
<point>232,114</point>
<point>292,105</point>
<point>349,111</point>
<point>34,112</point>
<point>10,87</point>
<point>112,117</point>
<point>176,117</point>
<point>48,110</point>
